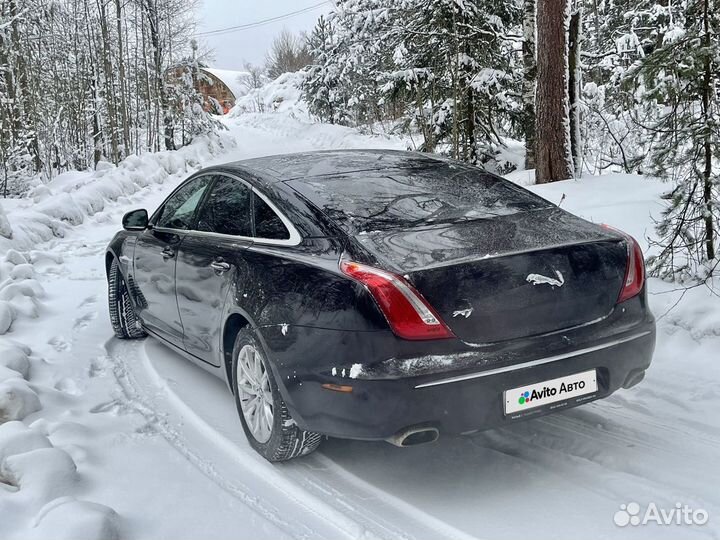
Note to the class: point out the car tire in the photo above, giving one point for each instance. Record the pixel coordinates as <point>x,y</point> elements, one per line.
<point>281,439</point>
<point>125,321</point>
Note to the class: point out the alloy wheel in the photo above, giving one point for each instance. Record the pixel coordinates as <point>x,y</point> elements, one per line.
<point>253,387</point>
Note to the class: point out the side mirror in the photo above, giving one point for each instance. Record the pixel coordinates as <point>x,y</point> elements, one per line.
<point>135,220</point>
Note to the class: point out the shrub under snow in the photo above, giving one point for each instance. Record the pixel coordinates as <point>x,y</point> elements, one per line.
<point>5,229</point>
<point>17,400</point>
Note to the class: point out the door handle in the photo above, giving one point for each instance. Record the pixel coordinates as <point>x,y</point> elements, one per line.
<point>168,253</point>
<point>219,267</point>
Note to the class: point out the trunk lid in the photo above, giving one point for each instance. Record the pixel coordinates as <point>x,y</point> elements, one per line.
<point>509,276</point>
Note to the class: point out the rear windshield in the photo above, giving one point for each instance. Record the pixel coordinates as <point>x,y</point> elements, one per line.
<point>365,201</point>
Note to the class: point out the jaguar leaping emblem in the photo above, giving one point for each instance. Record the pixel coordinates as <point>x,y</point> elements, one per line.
<point>538,279</point>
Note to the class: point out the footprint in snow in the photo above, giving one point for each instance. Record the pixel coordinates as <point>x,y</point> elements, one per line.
<point>84,321</point>
<point>98,366</point>
<point>68,386</point>
<point>114,407</point>
<point>59,343</point>
<point>89,301</point>
<point>95,276</point>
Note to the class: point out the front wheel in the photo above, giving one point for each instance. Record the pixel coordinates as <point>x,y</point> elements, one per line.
<point>125,321</point>
<point>267,423</point>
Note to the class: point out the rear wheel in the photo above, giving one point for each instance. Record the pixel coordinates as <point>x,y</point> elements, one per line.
<point>265,418</point>
<point>125,321</point>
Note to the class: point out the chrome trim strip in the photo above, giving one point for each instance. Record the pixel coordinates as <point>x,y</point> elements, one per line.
<point>295,237</point>
<point>533,363</point>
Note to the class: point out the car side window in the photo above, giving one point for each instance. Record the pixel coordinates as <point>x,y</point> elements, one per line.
<point>227,209</point>
<point>179,209</point>
<point>268,224</point>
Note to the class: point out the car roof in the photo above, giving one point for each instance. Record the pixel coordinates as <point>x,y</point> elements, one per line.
<point>283,167</point>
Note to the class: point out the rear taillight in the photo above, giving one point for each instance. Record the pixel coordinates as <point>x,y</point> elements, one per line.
<point>408,313</point>
<point>634,267</point>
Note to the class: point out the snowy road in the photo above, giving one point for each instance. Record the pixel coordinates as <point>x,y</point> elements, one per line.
<point>158,440</point>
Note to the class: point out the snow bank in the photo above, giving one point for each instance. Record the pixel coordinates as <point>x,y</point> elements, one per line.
<point>68,200</point>
<point>40,475</point>
<point>71,197</point>
<point>35,479</point>
<point>17,400</point>
<point>17,438</point>
<point>14,357</point>
<point>70,519</point>
<point>281,95</point>
<point>19,290</point>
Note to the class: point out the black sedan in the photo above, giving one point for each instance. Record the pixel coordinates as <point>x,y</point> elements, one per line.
<point>381,295</point>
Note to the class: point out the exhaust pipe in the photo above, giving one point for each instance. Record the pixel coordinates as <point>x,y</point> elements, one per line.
<point>414,436</point>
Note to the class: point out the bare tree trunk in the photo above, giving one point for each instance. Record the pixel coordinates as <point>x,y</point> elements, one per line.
<point>707,94</point>
<point>553,159</point>
<point>123,83</point>
<point>24,108</point>
<point>471,155</point>
<point>155,40</point>
<point>151,134</point>
<point>108,91</point>
<point>465,76</point>
<point>455,77</point>
<point>96,133</point>
<point>574,72</point>
<point>97,137</point>
<point>529,81</point>
<point>12,101</point>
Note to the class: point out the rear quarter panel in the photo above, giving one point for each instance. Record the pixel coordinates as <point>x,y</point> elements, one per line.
<point>283,287</point>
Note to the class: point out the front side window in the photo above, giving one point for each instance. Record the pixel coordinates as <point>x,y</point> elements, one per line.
<point>179,209</point>
<point>227,209</point>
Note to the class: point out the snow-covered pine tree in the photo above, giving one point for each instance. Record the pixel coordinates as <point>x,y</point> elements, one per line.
<point>615,37</point>
<point>456,65</point>
<point>187,104</point>
<point>682,78</point>
<point>446,69</point>
<point>321,84</point>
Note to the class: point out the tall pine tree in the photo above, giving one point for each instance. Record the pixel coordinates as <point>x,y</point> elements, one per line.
<point>682,77</point>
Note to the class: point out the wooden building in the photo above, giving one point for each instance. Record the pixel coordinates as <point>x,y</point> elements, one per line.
<point>220,86</point>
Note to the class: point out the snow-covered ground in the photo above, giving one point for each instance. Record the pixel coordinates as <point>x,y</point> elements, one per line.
<point>128,440</point>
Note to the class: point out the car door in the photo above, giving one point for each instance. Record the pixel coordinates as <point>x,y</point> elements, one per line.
<point>210,261</point>
<point>155,259</point>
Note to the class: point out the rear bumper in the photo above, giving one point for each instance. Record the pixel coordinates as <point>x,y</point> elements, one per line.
<point>468,401</point>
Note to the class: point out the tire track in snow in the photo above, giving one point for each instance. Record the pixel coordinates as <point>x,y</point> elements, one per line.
<point>316,484</point>
<point>142,403</point>
<point>605,447</point>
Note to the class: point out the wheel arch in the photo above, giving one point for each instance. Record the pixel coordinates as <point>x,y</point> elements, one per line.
<point>109,257</point>
<point>234,323</point>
